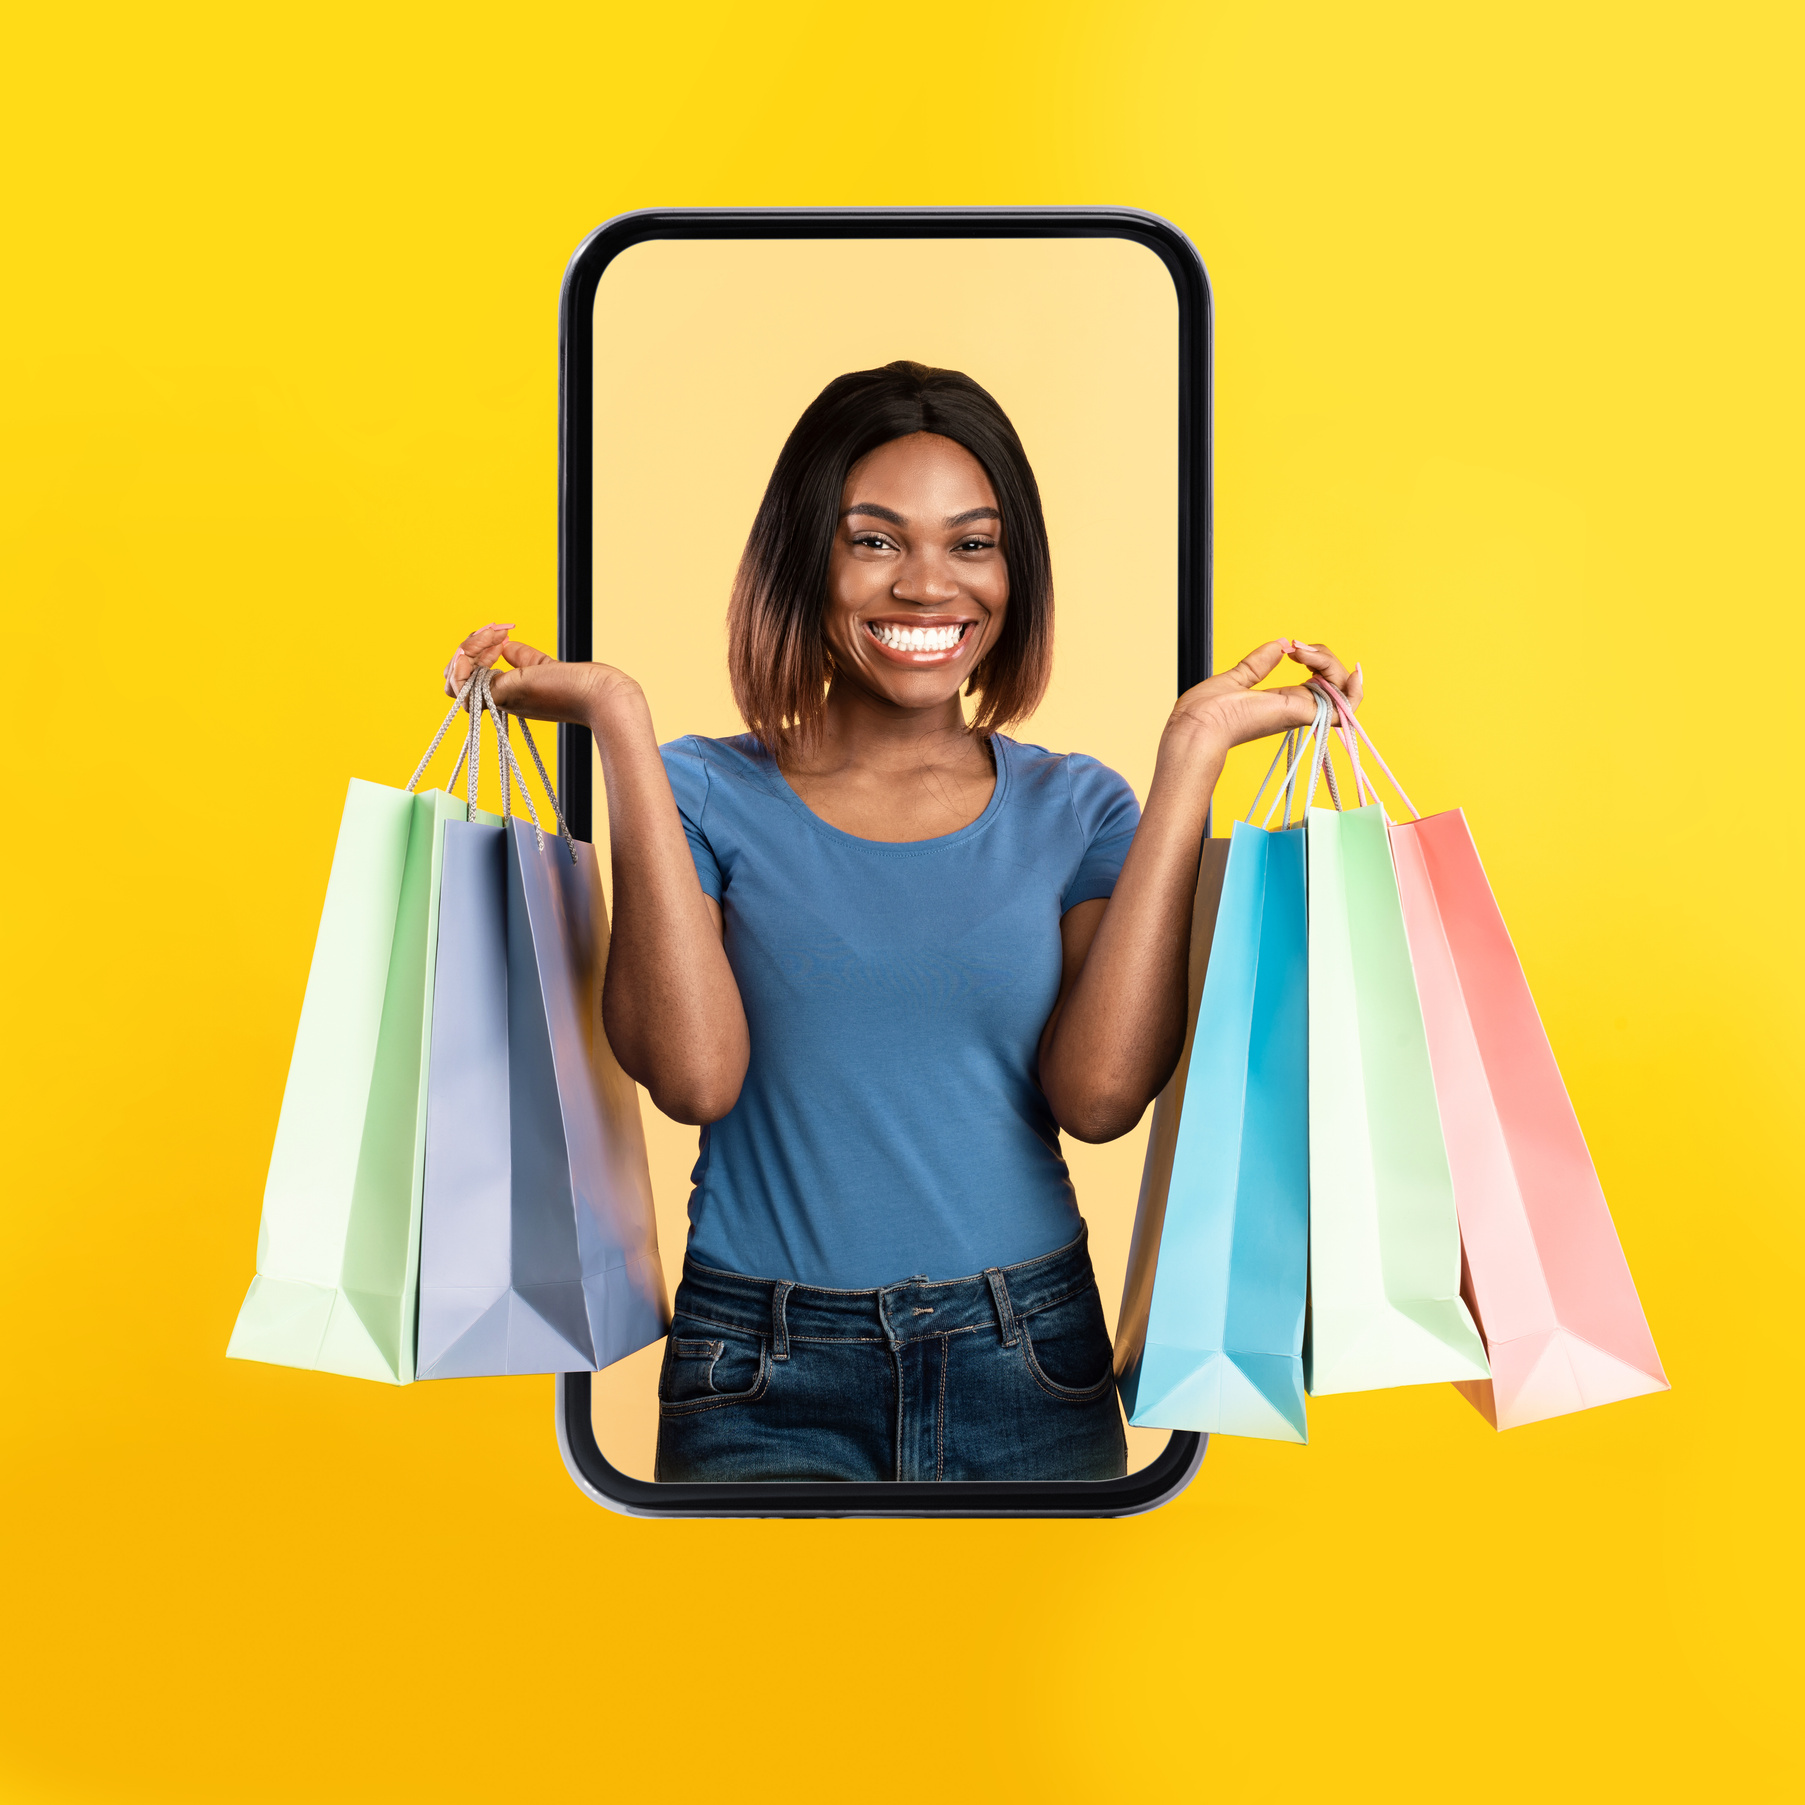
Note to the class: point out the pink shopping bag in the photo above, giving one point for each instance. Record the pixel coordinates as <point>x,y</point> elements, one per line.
<point>1544,1274</point>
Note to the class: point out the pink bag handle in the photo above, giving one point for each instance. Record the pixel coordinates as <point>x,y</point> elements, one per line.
<point>1350,725</point>
<point>1363,789</point>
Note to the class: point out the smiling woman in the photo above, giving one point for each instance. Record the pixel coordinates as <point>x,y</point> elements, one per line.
<point>884,954</point>
<point>903,483</point>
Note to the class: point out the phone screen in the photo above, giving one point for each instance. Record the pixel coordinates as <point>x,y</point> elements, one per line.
<point>705,353</point>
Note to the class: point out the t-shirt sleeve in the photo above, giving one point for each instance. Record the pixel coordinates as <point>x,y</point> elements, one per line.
<point>1108,815</point>
<point>687,770</point>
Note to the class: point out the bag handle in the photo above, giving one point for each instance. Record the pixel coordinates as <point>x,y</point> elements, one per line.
<point>437,739</point>
<point>1294,749</point>
<point>1350,725</point>
<point>1284,752</point>
<point>1363,788</point>
<point>1311,744</point>
<point>477,695</point>
<point>1322,767</point>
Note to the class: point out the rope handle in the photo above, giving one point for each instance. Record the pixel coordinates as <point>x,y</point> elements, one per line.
<point>1363,789</point>
<point>1325,768</point>
<point>1283,752</point>
<point>438,738</point>
<point>1293,749</point>
<point>477,695</point>
<point>1350,726</point>
<point>1310,738</point>
<point>1322,766</point>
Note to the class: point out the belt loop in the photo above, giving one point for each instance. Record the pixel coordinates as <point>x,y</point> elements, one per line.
<point>780,1329</point>
<point>999,1289</point>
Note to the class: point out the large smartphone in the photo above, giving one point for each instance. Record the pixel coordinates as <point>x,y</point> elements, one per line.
<point>691,341</point>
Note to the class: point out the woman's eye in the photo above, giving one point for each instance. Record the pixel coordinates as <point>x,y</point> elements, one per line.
<point>974,545</point>
<point>875,540</point>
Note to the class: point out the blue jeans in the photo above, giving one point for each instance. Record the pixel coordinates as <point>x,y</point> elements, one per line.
<point>1003,1375</point>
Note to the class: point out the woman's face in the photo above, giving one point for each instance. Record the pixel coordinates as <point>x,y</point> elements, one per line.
<point>916,587</point>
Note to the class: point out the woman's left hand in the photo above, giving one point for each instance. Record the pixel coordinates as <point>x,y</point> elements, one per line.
<point>1231,709</point>
<point>1116,1032</point>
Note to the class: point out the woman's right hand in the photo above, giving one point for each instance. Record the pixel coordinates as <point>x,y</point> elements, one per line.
<point>539,686</point>
<point>670,1006</point>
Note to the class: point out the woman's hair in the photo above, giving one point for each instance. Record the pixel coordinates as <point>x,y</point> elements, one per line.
<point>777,655</point>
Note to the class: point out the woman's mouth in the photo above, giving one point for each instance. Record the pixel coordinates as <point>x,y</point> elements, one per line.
<point>919,645</point>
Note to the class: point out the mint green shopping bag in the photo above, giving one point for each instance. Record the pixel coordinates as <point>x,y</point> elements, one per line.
<point>338,1250</point>
<point>1385,1305</point>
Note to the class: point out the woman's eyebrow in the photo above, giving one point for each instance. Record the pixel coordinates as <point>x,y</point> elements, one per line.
<point>973,514</point>
<point>869,507</point>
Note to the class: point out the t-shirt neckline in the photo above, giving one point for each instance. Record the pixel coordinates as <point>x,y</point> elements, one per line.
<point>975,826</point>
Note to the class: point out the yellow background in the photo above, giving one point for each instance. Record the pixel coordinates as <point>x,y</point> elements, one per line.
<point>1508,406</point>
<point>706,353</point>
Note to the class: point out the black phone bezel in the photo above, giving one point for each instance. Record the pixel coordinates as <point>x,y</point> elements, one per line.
<point>1179,1460</point>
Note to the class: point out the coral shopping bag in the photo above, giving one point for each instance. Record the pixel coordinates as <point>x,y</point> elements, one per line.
<point>1385,1303</point>
<point>538,1246</point>
<point>1545,1273</point>
<point>338,1247</point>
<point>1211,1330</point>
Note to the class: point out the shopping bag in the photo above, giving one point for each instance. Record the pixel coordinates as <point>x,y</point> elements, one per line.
<point>338,1246</point>
<point>1385,1303</point>
<point>1545,1274</point>
<point>1211,1329</point>
<point>539,1247</point>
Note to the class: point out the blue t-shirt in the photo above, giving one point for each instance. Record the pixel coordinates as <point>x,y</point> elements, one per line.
<point>891,1122</point>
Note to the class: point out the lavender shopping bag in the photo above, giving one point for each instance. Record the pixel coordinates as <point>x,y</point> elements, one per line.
<point>538,1249</point>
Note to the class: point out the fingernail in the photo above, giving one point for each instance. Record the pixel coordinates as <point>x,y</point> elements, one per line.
<point>1302,647</point>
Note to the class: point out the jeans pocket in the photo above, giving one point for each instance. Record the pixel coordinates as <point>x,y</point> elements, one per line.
<point>704,1371</point>
<point>1067,1349</point>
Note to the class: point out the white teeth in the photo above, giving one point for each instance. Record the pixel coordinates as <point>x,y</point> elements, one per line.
<point>917,639</point>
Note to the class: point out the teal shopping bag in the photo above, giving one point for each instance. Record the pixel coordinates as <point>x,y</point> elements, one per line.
<point>1385,1304</point>
<point>1211,1332</point>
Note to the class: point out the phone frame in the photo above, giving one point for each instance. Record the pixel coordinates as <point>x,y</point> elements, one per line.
<point>1165,1477</point>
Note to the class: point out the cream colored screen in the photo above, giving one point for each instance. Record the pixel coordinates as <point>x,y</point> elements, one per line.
<point>705,354</point>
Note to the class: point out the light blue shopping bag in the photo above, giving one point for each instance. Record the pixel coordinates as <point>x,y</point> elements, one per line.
<point>1212,1326</point>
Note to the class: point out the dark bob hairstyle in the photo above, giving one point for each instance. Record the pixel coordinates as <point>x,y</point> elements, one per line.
<point>777,652</point>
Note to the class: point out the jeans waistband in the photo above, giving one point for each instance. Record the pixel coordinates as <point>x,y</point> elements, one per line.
<point>996,1298</point>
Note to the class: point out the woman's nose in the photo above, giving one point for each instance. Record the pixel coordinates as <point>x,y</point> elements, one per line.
<point>925,580</point>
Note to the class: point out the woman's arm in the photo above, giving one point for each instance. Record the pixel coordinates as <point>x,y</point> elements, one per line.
<point>1118,1027</point>
<point>670,1006</point>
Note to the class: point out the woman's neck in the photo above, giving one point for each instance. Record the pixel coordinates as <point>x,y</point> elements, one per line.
<point>864,733</point>
<point>883,773</point>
